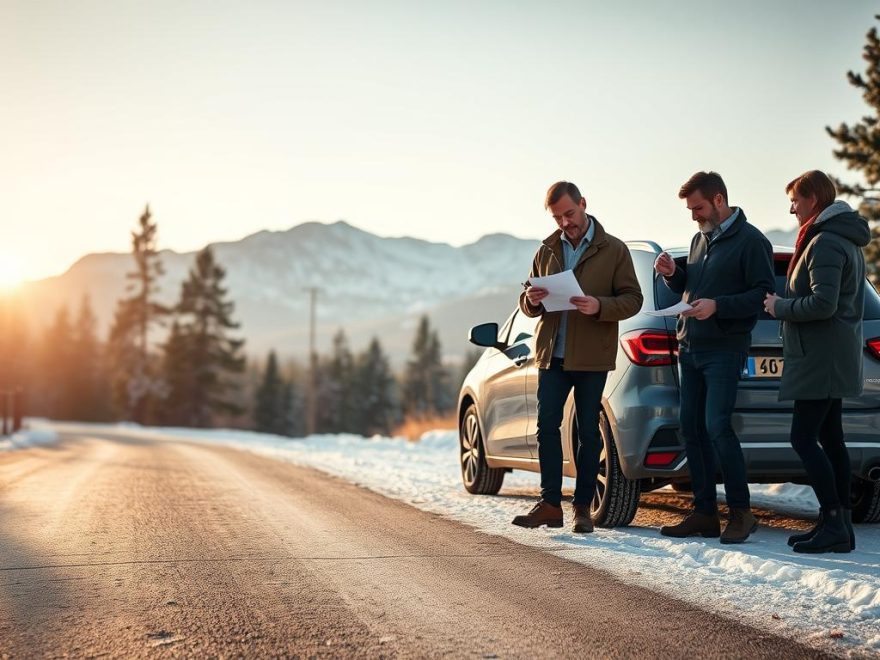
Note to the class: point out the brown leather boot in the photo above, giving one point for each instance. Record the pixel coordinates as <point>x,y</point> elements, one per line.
<point>740,523</point>
<point>583,524</point>
<point>541,514</point>
<point>695,523</point>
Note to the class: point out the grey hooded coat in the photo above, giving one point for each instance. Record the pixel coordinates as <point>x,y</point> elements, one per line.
<point>823,309</point>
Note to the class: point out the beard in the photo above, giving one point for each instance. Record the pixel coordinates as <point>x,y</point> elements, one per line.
<point>711,222</point>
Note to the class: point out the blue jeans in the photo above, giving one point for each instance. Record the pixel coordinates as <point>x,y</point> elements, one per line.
<point>709,381</point>
<point>554,384</point>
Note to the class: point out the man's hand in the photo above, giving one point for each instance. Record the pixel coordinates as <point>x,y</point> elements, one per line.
<point>770,304</point>
<point>585,304</point>
<point>703,308</point>
<point>536,294</point>
<point>664,265</point>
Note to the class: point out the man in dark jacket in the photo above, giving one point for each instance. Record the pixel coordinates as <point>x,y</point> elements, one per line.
<point>577,348</point>
<point>729,271</point>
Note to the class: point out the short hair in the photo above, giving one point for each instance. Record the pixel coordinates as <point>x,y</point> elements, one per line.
<point>708,184</point>
<point>814,183</point>
<point>559,189</point>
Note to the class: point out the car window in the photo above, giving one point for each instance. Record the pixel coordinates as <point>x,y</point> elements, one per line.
<point>523,328</point>
<point>643,263</point>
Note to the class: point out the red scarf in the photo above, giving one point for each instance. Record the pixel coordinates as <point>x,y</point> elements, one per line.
<point>800,243</point>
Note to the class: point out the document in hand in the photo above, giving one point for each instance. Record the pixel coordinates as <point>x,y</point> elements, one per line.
<point>561,286</point>
<point>675,310</point>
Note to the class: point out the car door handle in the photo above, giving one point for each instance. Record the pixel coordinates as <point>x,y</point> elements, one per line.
<point>521,360</point>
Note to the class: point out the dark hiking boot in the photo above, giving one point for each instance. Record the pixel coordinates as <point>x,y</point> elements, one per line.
<point>847,520</point>
<point>583,524</point>
<point>833,536</point>
<point>707,526</point>
<point>740,523</point>
<point>542,513</point>
<point>806,536</point>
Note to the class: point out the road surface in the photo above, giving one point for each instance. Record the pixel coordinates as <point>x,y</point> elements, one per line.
<point>113,547</point>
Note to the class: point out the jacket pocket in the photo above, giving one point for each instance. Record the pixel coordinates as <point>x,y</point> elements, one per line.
<point>791,340</point>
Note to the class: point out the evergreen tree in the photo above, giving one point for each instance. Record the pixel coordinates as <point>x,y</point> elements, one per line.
<point>136,384</point>
<point>212,357</point>
<point>90,392</point>
<point>177,376</point>
<point>337,411</point>
<point>271,406</point>
<point>860,149</point>
<point>426,387</point>
<point>378,406</point>
<point>57,367</point>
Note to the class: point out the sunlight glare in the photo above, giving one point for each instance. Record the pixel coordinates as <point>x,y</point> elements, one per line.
<point>11,271</point>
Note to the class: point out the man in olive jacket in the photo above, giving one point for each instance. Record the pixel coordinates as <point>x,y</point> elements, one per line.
<point>577,348</point>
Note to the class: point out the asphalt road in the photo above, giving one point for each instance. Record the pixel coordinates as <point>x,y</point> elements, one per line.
<point>112,547</point>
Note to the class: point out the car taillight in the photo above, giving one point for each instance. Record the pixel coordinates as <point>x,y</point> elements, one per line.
<point>874,347</point>
<point>649,348</point>
<point>660,458</point>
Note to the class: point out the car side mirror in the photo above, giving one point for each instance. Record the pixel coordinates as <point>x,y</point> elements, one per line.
<point>485,334</point>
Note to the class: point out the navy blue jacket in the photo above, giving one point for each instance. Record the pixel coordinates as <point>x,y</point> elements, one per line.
<point>735,270</point>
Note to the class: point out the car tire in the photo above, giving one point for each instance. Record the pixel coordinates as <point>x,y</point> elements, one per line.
<point>617,498</point>
<point>865,501</point>
<point>477,476</point>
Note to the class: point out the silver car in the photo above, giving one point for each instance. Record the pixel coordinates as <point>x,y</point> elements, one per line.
<point>642,449</point>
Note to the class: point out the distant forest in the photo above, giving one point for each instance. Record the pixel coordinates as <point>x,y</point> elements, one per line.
<point>184,365</point>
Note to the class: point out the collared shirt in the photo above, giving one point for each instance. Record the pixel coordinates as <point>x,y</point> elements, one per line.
<point>723,227</point>
<point>570,256</point>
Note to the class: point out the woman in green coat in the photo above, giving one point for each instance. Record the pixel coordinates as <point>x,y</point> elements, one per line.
<point>821,317</point>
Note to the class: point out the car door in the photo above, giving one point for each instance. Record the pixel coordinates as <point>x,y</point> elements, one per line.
<point>505,409</point>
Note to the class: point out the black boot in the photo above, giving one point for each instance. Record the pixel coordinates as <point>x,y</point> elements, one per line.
<point>806,536</point>
<point>832,536</point>
<point>847,520</point>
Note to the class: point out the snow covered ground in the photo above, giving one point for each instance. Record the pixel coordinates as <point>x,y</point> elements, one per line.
<point>829,601</point>
<point>37,434</point>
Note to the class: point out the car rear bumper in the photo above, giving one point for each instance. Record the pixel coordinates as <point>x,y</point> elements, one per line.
<point>764,436</point>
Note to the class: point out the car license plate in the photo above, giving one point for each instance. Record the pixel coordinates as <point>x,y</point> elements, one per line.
<point>758,366</point>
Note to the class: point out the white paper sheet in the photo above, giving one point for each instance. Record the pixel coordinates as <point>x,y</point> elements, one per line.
<point>675,310</point>
<point>561,286</point>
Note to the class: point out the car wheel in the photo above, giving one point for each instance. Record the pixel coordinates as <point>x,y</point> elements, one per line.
<point>865,501</point>
<point>477,476</point>
<point>617,498</point>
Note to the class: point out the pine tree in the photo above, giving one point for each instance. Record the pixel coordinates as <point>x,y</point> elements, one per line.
<point>177,376</point>
<point>57,367</point>
<point>270,406</point>
<point>136,384</point>
<point>377,402</point>
<point>212,357</point>
<point>860,149</point>
<point>90,392</point>
<point>337,412</point>
<point>426,387</point>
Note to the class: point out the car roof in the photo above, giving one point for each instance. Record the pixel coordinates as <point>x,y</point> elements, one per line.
<point>682,251</point>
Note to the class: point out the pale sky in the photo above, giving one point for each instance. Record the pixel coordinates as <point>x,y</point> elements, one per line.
<point>441,120</point>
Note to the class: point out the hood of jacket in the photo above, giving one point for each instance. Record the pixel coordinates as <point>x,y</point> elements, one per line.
<point>841,219</point>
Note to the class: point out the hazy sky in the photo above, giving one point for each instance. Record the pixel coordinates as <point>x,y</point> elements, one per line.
<point>442,120</point>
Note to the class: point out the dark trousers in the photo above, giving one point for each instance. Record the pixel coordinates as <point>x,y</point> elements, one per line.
<point>554,384</point>
<point>817,423</point>
<point>709,380</point>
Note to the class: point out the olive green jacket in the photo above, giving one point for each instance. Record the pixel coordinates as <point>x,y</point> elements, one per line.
<point>823,309</point>
<point>604,271</point>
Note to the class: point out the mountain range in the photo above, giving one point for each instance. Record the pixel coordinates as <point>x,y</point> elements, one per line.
<point>367,285</point>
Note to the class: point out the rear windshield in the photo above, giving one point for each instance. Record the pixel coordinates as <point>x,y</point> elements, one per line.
<point>666,298</point>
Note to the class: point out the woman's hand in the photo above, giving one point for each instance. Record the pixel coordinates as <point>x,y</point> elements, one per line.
<point>770,304</point>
